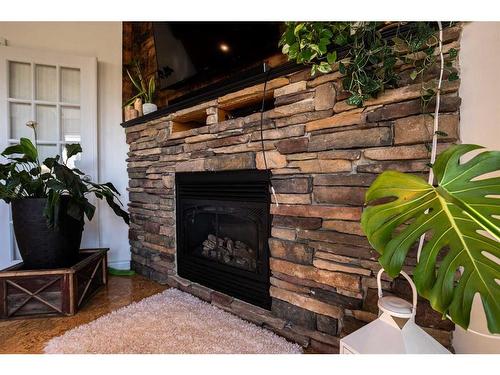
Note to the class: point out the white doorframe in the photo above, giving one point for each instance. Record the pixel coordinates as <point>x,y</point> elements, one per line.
<point>88,125</point>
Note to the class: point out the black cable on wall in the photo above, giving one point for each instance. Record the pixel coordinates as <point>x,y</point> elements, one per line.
<point>267,71</point>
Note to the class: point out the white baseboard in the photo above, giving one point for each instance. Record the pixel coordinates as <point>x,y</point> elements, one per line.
<point>120,264</point>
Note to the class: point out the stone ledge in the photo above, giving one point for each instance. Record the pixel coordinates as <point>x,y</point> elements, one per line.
<point>256,315</point>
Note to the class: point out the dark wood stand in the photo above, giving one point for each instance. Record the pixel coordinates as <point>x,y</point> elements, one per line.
<point>36,293</point>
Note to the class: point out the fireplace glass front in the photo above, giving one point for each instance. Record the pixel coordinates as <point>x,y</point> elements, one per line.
<point>223,225</point>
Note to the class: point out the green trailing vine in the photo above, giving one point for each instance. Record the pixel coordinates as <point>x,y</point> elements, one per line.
<point>417,48</point>
<point>371,63</point>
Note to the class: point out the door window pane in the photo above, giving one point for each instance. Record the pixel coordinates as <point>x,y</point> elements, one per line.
<point>46,83</point>
<point>19,80</point>
<point>20,114</point>
<point>46,151</point>
<point>70,85</point>
<point>70,121</point>
<point>15,255</point>
<point>46,116</point>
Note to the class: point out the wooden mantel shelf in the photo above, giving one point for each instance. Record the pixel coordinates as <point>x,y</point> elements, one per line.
<point>240,94</point>
<point>218,109</point>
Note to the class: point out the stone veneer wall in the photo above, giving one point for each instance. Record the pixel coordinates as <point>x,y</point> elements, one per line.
<point>323,155</point>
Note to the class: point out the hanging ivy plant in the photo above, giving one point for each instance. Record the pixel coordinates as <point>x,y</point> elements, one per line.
<point>369,64</point>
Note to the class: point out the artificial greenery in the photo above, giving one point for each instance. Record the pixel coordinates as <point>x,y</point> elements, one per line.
<point>145,87</point>
<point>370,63</point>
<point>24,176</point>
<point>460,216</point>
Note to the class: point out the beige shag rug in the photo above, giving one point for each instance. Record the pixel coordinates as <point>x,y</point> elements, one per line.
<point>170,322</point>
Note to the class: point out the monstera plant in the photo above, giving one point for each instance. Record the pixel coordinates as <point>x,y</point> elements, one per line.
<point>460,218</point>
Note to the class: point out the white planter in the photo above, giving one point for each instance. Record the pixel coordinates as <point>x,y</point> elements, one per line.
<point>148,108</point>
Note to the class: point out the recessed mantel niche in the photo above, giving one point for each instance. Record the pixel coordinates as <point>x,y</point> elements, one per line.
<point>322,154</point>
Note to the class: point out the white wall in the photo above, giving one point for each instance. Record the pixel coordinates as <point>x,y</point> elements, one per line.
<point>479,124</point>
<point>104,41</point>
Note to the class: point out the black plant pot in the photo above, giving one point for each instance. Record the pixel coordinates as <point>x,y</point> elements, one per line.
<point>42,247</point>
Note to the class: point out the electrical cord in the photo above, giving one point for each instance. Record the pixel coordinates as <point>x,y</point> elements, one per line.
<point>262,107</point>
<point>262,130</point>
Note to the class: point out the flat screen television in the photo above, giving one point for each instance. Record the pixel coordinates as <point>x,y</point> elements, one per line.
<point>195,54</point>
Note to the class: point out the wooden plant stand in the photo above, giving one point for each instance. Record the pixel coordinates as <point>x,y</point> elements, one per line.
<point>36,293</point>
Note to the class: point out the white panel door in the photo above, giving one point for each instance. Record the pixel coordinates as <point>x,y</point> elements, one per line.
<point>59,92</point>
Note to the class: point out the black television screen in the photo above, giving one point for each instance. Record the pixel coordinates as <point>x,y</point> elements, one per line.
<point>198,52</point>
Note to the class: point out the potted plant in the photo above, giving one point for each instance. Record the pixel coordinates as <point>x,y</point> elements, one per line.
<point>49,203</point>
<point>145,89</point>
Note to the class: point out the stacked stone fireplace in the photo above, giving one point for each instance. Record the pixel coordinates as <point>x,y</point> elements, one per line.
<point>322,154</point>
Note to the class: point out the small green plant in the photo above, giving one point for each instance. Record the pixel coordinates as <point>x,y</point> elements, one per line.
<point>371,62</point>
<point>24,176</point>
<point>145,87</point>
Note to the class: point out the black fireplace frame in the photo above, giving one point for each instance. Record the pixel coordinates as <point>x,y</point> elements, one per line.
<point>248,188</point>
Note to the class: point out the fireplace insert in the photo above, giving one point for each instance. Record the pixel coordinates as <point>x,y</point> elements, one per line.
<point>223,226</point>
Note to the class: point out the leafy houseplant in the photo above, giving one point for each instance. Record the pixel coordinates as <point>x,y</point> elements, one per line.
<point>49,203</point>
<point>460,216</point>
<point>145,88</point>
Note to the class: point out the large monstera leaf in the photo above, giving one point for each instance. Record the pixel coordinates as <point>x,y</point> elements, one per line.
<point>461,219</point>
